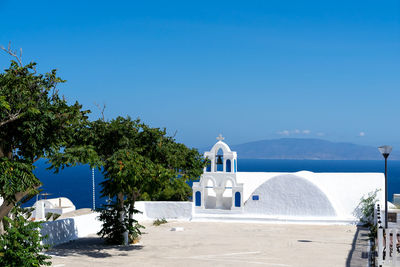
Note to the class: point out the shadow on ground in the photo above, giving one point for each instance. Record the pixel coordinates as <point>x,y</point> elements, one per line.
<point>94,247</point>
<point>358,255</point>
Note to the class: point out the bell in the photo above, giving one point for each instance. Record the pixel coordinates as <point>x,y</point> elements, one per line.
<point>219,159</point>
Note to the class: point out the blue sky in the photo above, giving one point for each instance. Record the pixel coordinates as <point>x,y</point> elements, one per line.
<point>250,70</point>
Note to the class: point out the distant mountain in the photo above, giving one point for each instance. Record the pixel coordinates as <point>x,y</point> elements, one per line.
<point>300,148</point>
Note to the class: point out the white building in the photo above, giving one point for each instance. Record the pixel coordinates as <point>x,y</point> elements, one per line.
<point>299,195</point>
<point>59,205</point>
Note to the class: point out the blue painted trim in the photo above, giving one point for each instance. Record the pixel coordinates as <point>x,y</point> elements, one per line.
<point>198,198</point>
<point>228,165</point>
<point>237,199</point>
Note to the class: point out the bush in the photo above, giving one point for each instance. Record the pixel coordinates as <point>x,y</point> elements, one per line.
<point>367,206</point>
<point>158,222</point>
<point>113,229</point>
<point>20,245</point>
<point>52,216</point>
<point>365,211</point>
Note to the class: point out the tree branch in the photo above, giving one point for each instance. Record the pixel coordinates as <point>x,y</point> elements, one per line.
<point>101,109</point>
<point>11,118</point>
<point>13,53</point>
<point>7,206</point>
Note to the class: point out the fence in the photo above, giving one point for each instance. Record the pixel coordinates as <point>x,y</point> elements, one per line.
<point>388,242</point>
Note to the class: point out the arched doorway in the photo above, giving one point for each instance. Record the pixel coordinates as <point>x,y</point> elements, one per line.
<point>227,195</point>
<point>209,194</point>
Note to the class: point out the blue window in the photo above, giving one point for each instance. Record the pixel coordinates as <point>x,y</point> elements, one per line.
<point>198,198</point>
<point>234,165</point>
<point>256,197</point>
<point>237,199</point>
<point>228,165</point>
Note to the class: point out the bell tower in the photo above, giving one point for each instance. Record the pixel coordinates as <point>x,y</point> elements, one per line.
<point>221,158</point>
<point>218,188</point>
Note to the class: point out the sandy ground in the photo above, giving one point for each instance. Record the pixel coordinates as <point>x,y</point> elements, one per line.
<point>218,244</point>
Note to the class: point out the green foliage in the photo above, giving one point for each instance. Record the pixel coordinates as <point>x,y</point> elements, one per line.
<point>55,216</point>
<point>366,209</point>
<point>138,162</point>
<point>52,216</point>
<point>20,246</point>
<point>49,215</point>
<point>35,122</point>
<point>113,227</point>
<point>135,158</point>
<point>367,206</point>
<point>16,176</point>
<point>158,222</point>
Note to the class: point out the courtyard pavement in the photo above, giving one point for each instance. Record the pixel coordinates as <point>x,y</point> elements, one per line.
<point>224,244</point>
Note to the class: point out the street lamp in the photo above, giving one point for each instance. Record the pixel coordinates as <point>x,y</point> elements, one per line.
<point>385,151</point>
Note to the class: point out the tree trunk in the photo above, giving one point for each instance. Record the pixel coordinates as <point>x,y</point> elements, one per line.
<point>122,215</point>
<point>132,205</point>
<point>5,210</point>
<point>7,206</point>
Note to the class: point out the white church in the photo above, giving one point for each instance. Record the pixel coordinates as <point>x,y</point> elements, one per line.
<point>301,195</point>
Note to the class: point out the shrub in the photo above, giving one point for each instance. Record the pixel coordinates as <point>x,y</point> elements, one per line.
<point>113,229</point>
<point>52,216</point>
<point>366,207</point>
<point>20,246</point>
<point>158,222</point>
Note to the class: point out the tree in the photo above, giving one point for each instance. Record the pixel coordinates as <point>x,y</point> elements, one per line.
<point>139,162</point>
<point>35,122</point>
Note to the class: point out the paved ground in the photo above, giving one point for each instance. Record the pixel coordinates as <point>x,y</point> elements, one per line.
<point>223,244</point>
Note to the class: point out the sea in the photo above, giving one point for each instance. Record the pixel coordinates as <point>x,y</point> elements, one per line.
<point>75,183</point>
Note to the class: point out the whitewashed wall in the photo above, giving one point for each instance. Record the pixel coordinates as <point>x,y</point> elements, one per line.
<point>58,232</point>
<point>342,190</point>
<point>180,210</point>
<point>65,230</point>
<point>289,195</point>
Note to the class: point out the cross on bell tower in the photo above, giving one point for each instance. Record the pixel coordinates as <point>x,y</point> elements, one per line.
<point>220,138</point>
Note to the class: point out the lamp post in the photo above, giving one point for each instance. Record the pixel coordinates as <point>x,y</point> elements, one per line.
<point>385,151</point>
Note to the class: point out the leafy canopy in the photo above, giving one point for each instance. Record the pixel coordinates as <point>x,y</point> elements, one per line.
<point>138,162</point>
<point>35,122</point>
<point>136,159</point>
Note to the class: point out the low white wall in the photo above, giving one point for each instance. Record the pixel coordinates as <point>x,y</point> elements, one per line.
<point>60,231</point>
<point>64,230</point>
<point>87,224</point>
<point>180,210</point>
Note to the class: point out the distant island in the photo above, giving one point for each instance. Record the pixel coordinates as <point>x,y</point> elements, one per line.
<point>302,148</point>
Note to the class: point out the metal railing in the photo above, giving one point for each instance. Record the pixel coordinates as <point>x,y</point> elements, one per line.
<point>388,242</point>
